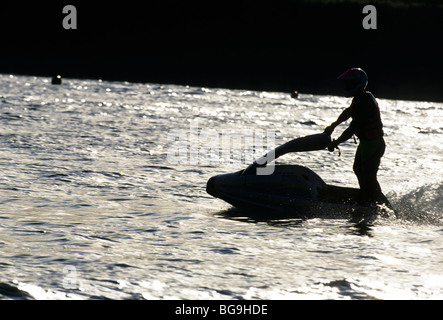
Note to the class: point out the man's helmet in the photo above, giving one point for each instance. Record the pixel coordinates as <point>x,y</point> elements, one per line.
<point>355,80</point>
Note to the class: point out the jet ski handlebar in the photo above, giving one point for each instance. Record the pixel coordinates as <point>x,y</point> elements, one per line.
<point>309,143</point>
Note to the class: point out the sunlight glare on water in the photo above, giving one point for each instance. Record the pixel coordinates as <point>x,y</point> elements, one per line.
<point>91,207</point>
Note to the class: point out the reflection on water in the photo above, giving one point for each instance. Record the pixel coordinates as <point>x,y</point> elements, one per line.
<point>90,207</point>
<point>357,225</point>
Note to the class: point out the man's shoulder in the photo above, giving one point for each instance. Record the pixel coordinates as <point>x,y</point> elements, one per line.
<point>365,97</point>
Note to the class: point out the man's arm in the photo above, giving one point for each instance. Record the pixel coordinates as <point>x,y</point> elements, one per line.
<point>345,115</point>
<point>344,136</point>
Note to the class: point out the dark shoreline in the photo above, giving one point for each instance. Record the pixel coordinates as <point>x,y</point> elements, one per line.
<point>280,46</point>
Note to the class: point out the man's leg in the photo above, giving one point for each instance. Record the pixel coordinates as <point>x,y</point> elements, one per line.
<point>366,164</point>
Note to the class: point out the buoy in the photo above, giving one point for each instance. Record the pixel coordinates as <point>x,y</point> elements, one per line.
<point>57,79</point>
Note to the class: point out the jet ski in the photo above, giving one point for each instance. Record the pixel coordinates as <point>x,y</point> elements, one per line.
<point>287,190</point>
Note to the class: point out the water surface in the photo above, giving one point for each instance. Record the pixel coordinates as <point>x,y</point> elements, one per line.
<point>92,207</point>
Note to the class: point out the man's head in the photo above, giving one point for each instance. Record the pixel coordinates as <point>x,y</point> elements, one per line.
<point>354,80</point>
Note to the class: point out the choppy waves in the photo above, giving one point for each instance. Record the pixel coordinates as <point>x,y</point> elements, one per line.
<point>90,206</point>
<point>423,205</point>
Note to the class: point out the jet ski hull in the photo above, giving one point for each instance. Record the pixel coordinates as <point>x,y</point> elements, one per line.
<point>290,190</point>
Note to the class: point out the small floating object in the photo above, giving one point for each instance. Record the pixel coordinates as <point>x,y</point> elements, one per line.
<point>57,79</point>
<point>294,94</point>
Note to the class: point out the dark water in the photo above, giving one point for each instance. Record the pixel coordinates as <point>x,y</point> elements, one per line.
<point>102,195</point>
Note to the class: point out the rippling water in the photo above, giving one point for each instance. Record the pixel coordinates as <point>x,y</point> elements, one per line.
<point>91,205</point>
